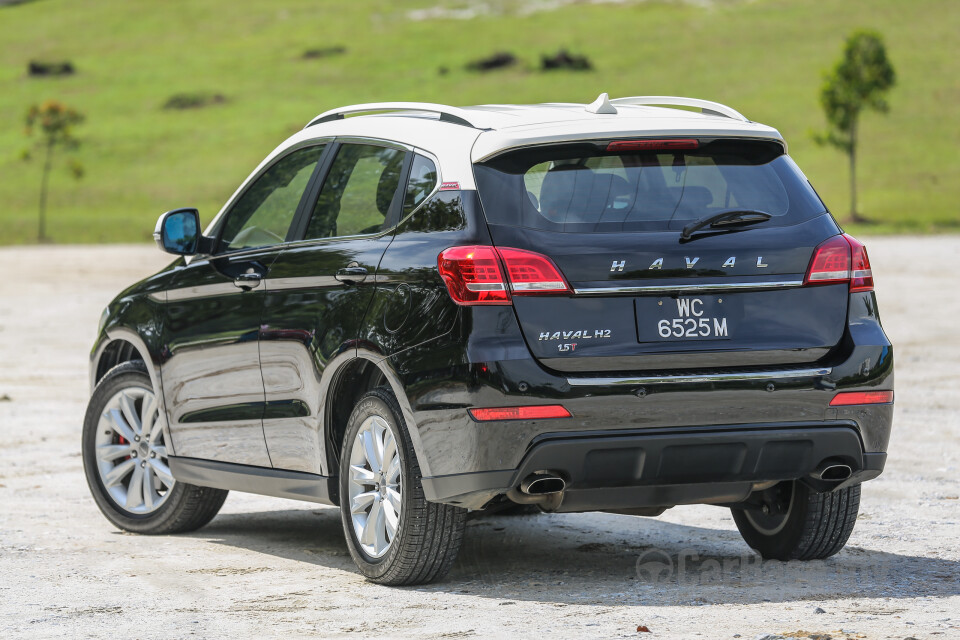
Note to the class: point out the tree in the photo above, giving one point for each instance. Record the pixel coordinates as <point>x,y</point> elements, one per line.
<point>859,80</point>
<point>55,122</point>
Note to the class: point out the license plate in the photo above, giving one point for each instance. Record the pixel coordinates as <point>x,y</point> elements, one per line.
<point>686,318</point>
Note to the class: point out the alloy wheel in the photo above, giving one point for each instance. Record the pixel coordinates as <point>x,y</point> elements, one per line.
<point>375,493</point>
<point>131,453</point>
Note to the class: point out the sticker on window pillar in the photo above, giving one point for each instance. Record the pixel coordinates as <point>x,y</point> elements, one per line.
<point>450,186</point>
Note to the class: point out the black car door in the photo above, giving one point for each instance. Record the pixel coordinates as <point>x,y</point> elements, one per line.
<point>213,388</point>
<point>318,291</point>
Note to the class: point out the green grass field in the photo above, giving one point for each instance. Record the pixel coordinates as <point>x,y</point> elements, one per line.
<point>764,58</point>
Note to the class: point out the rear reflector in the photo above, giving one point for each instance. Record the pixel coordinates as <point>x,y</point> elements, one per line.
<point>540,412</point>
<point>653,145</point>
<point>841,259</point>
<point>475,275</point>
<point>861,397</point>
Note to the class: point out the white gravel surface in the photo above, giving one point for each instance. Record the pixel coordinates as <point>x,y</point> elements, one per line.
<point>276,568</point>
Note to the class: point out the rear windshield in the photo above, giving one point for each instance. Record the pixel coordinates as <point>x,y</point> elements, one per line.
<point>583,188</point>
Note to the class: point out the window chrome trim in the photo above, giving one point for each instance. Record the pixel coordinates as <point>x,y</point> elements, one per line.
<point>664,288</point>
<point>693,378</point>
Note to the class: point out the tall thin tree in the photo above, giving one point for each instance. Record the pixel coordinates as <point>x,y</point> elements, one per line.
<point>55,122</point>
<point>859,80</point>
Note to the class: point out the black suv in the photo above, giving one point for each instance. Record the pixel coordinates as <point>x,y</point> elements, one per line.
<point>427,310</point>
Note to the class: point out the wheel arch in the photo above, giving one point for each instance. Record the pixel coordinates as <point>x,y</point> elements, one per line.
<point>352,378</point>
<point>118,345</point>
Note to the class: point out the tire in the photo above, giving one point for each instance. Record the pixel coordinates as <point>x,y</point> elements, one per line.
<point>157,504</point>
<point>815,526</point>
<point>426,536</point>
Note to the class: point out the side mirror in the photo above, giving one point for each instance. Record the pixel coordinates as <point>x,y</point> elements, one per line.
<point>178,232</point>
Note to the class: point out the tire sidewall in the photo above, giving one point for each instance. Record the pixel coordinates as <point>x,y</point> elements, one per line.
<point>123,376</point>
<point>374,404</point>
<point>780,545</point>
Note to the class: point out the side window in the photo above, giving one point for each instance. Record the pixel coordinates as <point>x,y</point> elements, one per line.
<point>357,192</point>
<point>262,215</point>
<point>423,178</point>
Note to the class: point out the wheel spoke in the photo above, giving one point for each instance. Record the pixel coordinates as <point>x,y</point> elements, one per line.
<point>160,450</point>
<point>390,519</point>
<point>393,497</point>
<point>118,473</point>
<point>362,476</point>
<point>149,492</point>
<point>389,449</point>
<point>369,533</point>
<point>370,451</point>
<point>110,452</point>
<point>379,437</point>
<point>129,409</point>
<point>163,472</point>
<point>135,489</point>
<point>362,501</point>
<point>120,424</point>
<point>380,529</point>
<point>392,475</point>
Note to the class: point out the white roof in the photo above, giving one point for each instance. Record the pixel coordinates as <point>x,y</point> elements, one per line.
<point>489,129</point>
<point>447,133</point>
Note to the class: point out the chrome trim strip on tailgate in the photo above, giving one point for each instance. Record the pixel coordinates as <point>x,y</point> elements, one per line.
<point>663,288</point>
<point>717,377</point>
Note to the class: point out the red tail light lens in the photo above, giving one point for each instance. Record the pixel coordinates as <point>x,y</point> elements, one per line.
<point>841,259</point>
<point>653,145</point>
<point>861,276</point>
<point>830,263</point>
<point>532,273</point>
<point>475,275</point>
<point>846,398</point>
<point>541,412</point>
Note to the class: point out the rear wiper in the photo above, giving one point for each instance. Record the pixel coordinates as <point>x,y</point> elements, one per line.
<point>729,218</point>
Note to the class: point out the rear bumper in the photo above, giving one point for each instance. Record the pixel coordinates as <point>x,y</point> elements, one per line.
<point>468,462</point>
<point>669,467</point>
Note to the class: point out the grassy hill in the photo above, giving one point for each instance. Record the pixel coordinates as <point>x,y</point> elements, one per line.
<point>764,58</point>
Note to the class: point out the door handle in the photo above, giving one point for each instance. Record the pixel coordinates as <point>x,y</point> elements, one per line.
<point>247,281</point>
<point>351,275</point>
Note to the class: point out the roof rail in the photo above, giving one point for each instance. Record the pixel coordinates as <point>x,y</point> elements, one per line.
<point>705,106</point>
<point>446,113</point>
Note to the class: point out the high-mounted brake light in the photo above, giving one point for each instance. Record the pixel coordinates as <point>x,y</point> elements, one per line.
<point>846,398</point>
<point>539,412</point>
<point>474,275</point>
<point>654,145</point>
<point>841,259</point>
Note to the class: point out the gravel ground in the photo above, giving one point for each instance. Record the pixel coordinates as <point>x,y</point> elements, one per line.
<point>280,568</point>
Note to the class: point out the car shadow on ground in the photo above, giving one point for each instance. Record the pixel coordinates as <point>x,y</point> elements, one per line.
<point>607,559</point>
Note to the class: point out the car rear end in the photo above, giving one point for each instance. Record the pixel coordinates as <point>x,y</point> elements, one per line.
<point>634,361</point>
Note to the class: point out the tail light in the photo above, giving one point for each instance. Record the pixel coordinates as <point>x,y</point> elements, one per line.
<point>536,412</point>
<point>861,276</point>
<point>475,275</point>
<point>846,398</point>
<point>841,259</point>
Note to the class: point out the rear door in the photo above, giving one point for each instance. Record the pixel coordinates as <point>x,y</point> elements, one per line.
<point>611,215</point>
<point>318,292</point>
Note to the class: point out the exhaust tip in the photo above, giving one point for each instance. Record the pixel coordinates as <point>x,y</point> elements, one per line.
<point>541,484</point>
<point>835,472</point>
